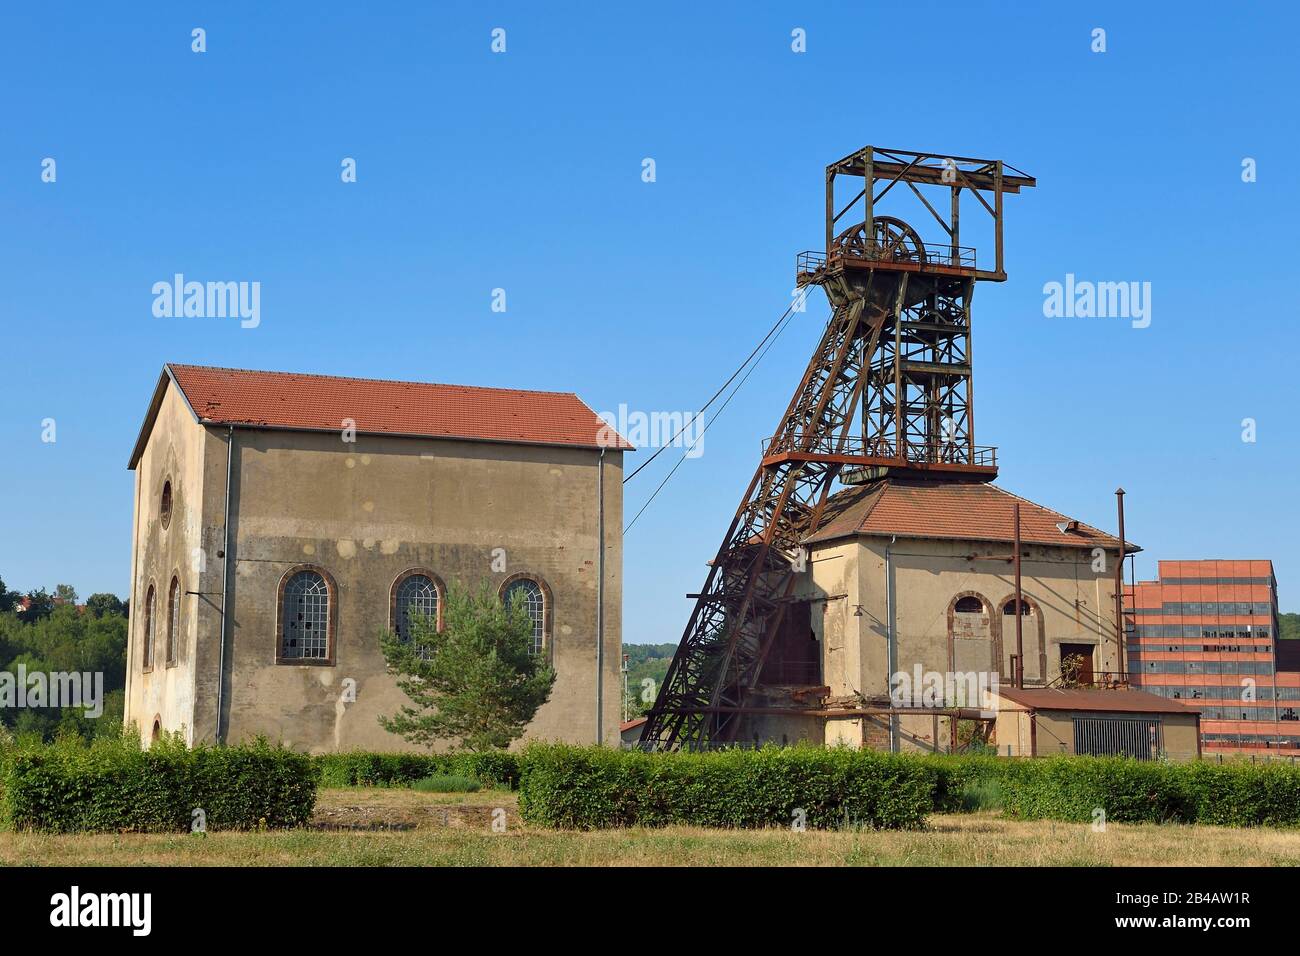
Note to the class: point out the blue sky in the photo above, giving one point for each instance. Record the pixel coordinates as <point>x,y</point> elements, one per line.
<point>522,171</point>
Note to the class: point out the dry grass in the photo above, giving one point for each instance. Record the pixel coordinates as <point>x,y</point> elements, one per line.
<point>423,838</point>
<point>405,798</point>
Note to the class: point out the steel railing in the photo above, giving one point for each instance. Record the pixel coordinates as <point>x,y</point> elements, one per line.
<point>811,261</point>
<point>948,453</point>
<point>1099,679</point>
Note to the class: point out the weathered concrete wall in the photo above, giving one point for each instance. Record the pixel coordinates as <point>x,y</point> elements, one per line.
<point>1055,732</point>
<point>1012,732</point>
<point>1070,604</point>
<point>844,732</point>
<point>1182,737</point>
<point>834,579</point>
<point>216,445</point>
<point>1052,732</point>
<point>175,451</point>
<point>367,511</point>
<point>784,729</point>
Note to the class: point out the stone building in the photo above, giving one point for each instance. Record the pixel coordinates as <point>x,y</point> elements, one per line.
<point>913,577</point>
<point>1053,721</point>
<point>283,521</point>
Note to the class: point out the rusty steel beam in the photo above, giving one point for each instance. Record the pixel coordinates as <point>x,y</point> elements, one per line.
<point>965,713</point>
<point>914,171</point>
<point>725,643</point>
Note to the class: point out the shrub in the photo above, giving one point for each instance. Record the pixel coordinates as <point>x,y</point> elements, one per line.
<point>1237,793</point>
<point>445,783</point>
<point>359,768</point>
<point>1241,794</point>
<point>499,768</point>
<point>959,776</point>
<point>113,784</point>
<point>588,788</point>
<point>981,794</point>
<point>362,769</point>
<point>1072,788</point>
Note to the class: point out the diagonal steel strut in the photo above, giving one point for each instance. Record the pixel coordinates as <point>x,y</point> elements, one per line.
<point>739,611</point>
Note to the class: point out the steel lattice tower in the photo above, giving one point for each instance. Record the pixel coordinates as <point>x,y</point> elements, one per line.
<point>887,392</point>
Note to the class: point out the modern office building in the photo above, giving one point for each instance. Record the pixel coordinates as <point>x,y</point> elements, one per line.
<point>1206,632</point>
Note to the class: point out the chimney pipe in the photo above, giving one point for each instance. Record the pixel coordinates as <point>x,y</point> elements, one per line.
<point>1119,590</point>
<point>1020,636</point>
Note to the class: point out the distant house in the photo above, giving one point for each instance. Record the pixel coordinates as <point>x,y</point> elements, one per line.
<point>24,604</point>
<point>631,731</point>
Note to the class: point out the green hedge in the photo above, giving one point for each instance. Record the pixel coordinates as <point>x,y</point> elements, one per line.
<point>116,785</point>
<point>359,768</point>
<point>587,788</point>
<point>955,775</point>
<point>1072,788</point>
<point>1237,793</point>
<point>1241,794</point>
<point>591,788</point>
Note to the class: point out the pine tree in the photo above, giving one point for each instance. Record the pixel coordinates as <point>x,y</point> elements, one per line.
<point>476,682</point>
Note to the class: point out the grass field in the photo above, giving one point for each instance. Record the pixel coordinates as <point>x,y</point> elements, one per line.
<point>376,827</point>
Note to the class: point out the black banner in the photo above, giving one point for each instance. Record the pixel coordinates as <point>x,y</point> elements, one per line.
<point>209,904</point>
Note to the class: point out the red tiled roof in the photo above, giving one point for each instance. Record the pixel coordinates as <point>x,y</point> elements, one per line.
<point>226,396</point>
<point>1078,698</point>
<point>966,510</point>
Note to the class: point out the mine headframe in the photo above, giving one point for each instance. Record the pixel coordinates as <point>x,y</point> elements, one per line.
<point>886,392</point>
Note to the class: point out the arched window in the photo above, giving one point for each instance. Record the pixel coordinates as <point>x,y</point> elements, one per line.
<point>530,592</point>
<point>305,617</point>
<point>415,595</point>
<point>165,503</point>
<point>1033,637</point>
<point>173,619</point>
<point>972,638</point>
<point>147,658</point>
